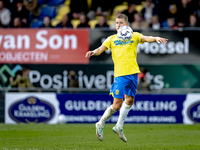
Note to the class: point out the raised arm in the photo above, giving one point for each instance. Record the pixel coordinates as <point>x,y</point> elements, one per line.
<point>151,39</point>
<point>96,52</point>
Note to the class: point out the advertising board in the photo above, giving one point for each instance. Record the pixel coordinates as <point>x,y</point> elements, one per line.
<point>44,46</point>
<point>31,108</point>
<point>182,47</point>
<point>88,108</point>
<point>191,109</point>
<point>101,76</point>
<point>68,46</point>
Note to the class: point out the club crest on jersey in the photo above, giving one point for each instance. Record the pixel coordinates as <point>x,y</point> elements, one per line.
<point>117,92</point>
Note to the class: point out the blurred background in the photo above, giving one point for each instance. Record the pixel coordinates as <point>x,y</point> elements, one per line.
<point>42,51</point>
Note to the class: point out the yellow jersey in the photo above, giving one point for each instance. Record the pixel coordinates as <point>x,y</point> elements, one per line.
<point>124,54</point>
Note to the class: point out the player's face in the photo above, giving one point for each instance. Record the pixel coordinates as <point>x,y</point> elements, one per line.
<point>120,22</point>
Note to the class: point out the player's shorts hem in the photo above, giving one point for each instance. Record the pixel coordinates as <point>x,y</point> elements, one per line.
<point>120,97</point>
<point>111,93</point>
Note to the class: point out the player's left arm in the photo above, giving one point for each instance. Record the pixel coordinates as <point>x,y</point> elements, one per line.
<point>151,39</point>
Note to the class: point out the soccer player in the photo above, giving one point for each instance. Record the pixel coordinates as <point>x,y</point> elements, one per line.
<point>124,55</point>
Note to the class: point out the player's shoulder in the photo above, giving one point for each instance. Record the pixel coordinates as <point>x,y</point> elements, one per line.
<point>112,36</point>
<point>137,34</point>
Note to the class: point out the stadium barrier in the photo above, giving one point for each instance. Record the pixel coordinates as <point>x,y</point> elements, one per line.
<point>182,47</point>
<point>68,46</point>
<point>52,53</point>
<point>100,76</point>
<point>88,108</point>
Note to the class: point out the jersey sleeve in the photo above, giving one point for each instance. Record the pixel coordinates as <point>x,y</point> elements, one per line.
<point>139,37</point>
<point>107,42</point>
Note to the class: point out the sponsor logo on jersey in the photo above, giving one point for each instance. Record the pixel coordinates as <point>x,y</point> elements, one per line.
<point>120,42</point>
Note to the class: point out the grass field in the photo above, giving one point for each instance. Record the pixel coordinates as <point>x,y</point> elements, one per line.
<point>82,136</point>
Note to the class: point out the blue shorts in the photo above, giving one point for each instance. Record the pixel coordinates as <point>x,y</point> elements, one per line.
<point>124,85</point>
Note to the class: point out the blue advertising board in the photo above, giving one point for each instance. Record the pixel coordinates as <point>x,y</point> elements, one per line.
<point>88,108</point>
<point>55,108</point>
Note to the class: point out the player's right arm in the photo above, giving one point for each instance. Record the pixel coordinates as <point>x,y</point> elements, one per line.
<point>96,52</point>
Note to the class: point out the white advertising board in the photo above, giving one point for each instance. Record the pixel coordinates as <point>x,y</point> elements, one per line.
<point>191,109</point>
<point>31,108</point>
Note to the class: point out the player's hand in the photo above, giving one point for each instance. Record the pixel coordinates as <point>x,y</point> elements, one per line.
<point>161,40</point>
<point>89,54</point>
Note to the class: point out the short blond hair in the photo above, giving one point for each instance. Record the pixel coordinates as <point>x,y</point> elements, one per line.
<point>123,16</point>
